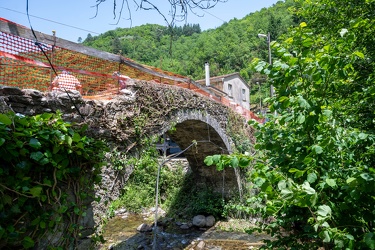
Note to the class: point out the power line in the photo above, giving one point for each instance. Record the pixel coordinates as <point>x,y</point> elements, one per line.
<point>67,25</point>
<point>214,15</point>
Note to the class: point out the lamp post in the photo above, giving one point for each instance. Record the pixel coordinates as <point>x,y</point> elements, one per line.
<point>268,37</point>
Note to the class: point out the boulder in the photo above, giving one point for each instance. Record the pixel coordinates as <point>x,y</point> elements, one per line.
<point>144,228</point>
<point>199,221</point>
<point>210,221</point>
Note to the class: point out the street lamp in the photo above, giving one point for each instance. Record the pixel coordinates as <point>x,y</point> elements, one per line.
<point>268,37</point>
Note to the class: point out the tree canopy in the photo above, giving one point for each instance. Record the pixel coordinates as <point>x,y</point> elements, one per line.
<point>315,164</point>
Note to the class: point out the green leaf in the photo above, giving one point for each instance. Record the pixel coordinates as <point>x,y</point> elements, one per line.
<point>370,240</point>
<point>234,162</point>
<point>51,224</point>
<point>362,136</point>
<point>35,191</point>
<point>301,119</point>
<point>42,224</point>
<point>293,170</point>
<point>36,156</point>
<point>80,145</point>
<point>283,98</point>
<point>325,236</point>
<point>286,193</point>
<point>46,116</point>
<point>366,177</point>
<point>68,140</point>
<point>44,161</point>
<point>349,236</point>
<point>35,143</point>
<point>324,211</point>
<point>36,221</point>
<point>359,54</point>
<point>216,159</point>
<point>308,42</point>
<point>27,242</point>
<point>331,182</point>
<point>303,103</point>
<point>302,25</point>
<point>327,113</point>
<point>5,120</point>
<point>244,162</point>
<point>317,149</point>
<point>7,199</point>
<point>281,185</point>
<point>208,161</point>
<point>15,209</point>
<point>306,187</point>
<point>2,140</point>
<point>351,179</point>
<point>343,32</point>
<point>76,137</point>
<point>311,177</point>
<point>56,149</point>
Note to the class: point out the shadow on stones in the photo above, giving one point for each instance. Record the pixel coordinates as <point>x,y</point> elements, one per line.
<point>175,229</point>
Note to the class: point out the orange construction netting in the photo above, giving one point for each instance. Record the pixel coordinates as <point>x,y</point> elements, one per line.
<point>29,64</point>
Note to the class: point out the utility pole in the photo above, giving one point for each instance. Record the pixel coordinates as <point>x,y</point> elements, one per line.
<point>268,37</point>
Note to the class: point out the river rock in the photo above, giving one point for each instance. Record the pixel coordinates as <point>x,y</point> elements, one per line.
<point>210,221</point>
<point>199,221</point>
<point>201,245</point>
<point>120,211</point>
<point>144,228</point>
<point>185,226</point>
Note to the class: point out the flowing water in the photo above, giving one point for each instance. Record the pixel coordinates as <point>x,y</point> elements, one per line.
<point>121,234</point>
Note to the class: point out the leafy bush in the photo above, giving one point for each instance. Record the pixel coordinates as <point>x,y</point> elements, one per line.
<point>315,167</point>
<point>139,191</point>
<point>191,200</point>
<point>42,159</point>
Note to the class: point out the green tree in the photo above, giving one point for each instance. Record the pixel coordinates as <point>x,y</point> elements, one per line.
<point>314,168</point>
<point>116,45</point>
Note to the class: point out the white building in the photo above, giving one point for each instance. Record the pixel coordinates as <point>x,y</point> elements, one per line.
<point>232,86</point>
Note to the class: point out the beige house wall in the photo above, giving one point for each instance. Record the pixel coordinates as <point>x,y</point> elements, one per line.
<point>238,92</point>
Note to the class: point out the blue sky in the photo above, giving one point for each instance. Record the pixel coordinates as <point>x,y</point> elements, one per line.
<point>75,18</point>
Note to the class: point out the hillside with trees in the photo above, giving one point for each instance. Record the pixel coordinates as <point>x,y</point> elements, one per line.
<point>184,50</point>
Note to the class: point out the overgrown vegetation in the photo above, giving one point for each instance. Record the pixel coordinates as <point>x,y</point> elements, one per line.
<point>191,200</point>
<point>315,168</point>
<point>179,195</point>
<point>47,173</point>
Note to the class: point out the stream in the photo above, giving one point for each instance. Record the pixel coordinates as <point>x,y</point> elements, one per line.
<point>121,233</point>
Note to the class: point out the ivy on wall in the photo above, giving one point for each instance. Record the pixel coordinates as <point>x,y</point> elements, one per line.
<point>47,173</point>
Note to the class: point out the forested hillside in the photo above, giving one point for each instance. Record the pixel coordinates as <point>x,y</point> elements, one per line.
<point>184,50</point>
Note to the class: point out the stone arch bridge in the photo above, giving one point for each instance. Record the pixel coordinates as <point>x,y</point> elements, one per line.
<point>148,109</point>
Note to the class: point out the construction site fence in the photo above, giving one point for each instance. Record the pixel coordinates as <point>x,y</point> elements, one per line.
<point>33,60</point>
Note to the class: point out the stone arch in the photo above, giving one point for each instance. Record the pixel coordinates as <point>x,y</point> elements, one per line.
<point>197,125</point>
<point>163,106</point>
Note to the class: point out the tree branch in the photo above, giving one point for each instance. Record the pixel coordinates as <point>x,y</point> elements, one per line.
<point>179,9</point>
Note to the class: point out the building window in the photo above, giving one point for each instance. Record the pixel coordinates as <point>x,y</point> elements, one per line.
<point>244,95</point>
<point>230,94</point>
